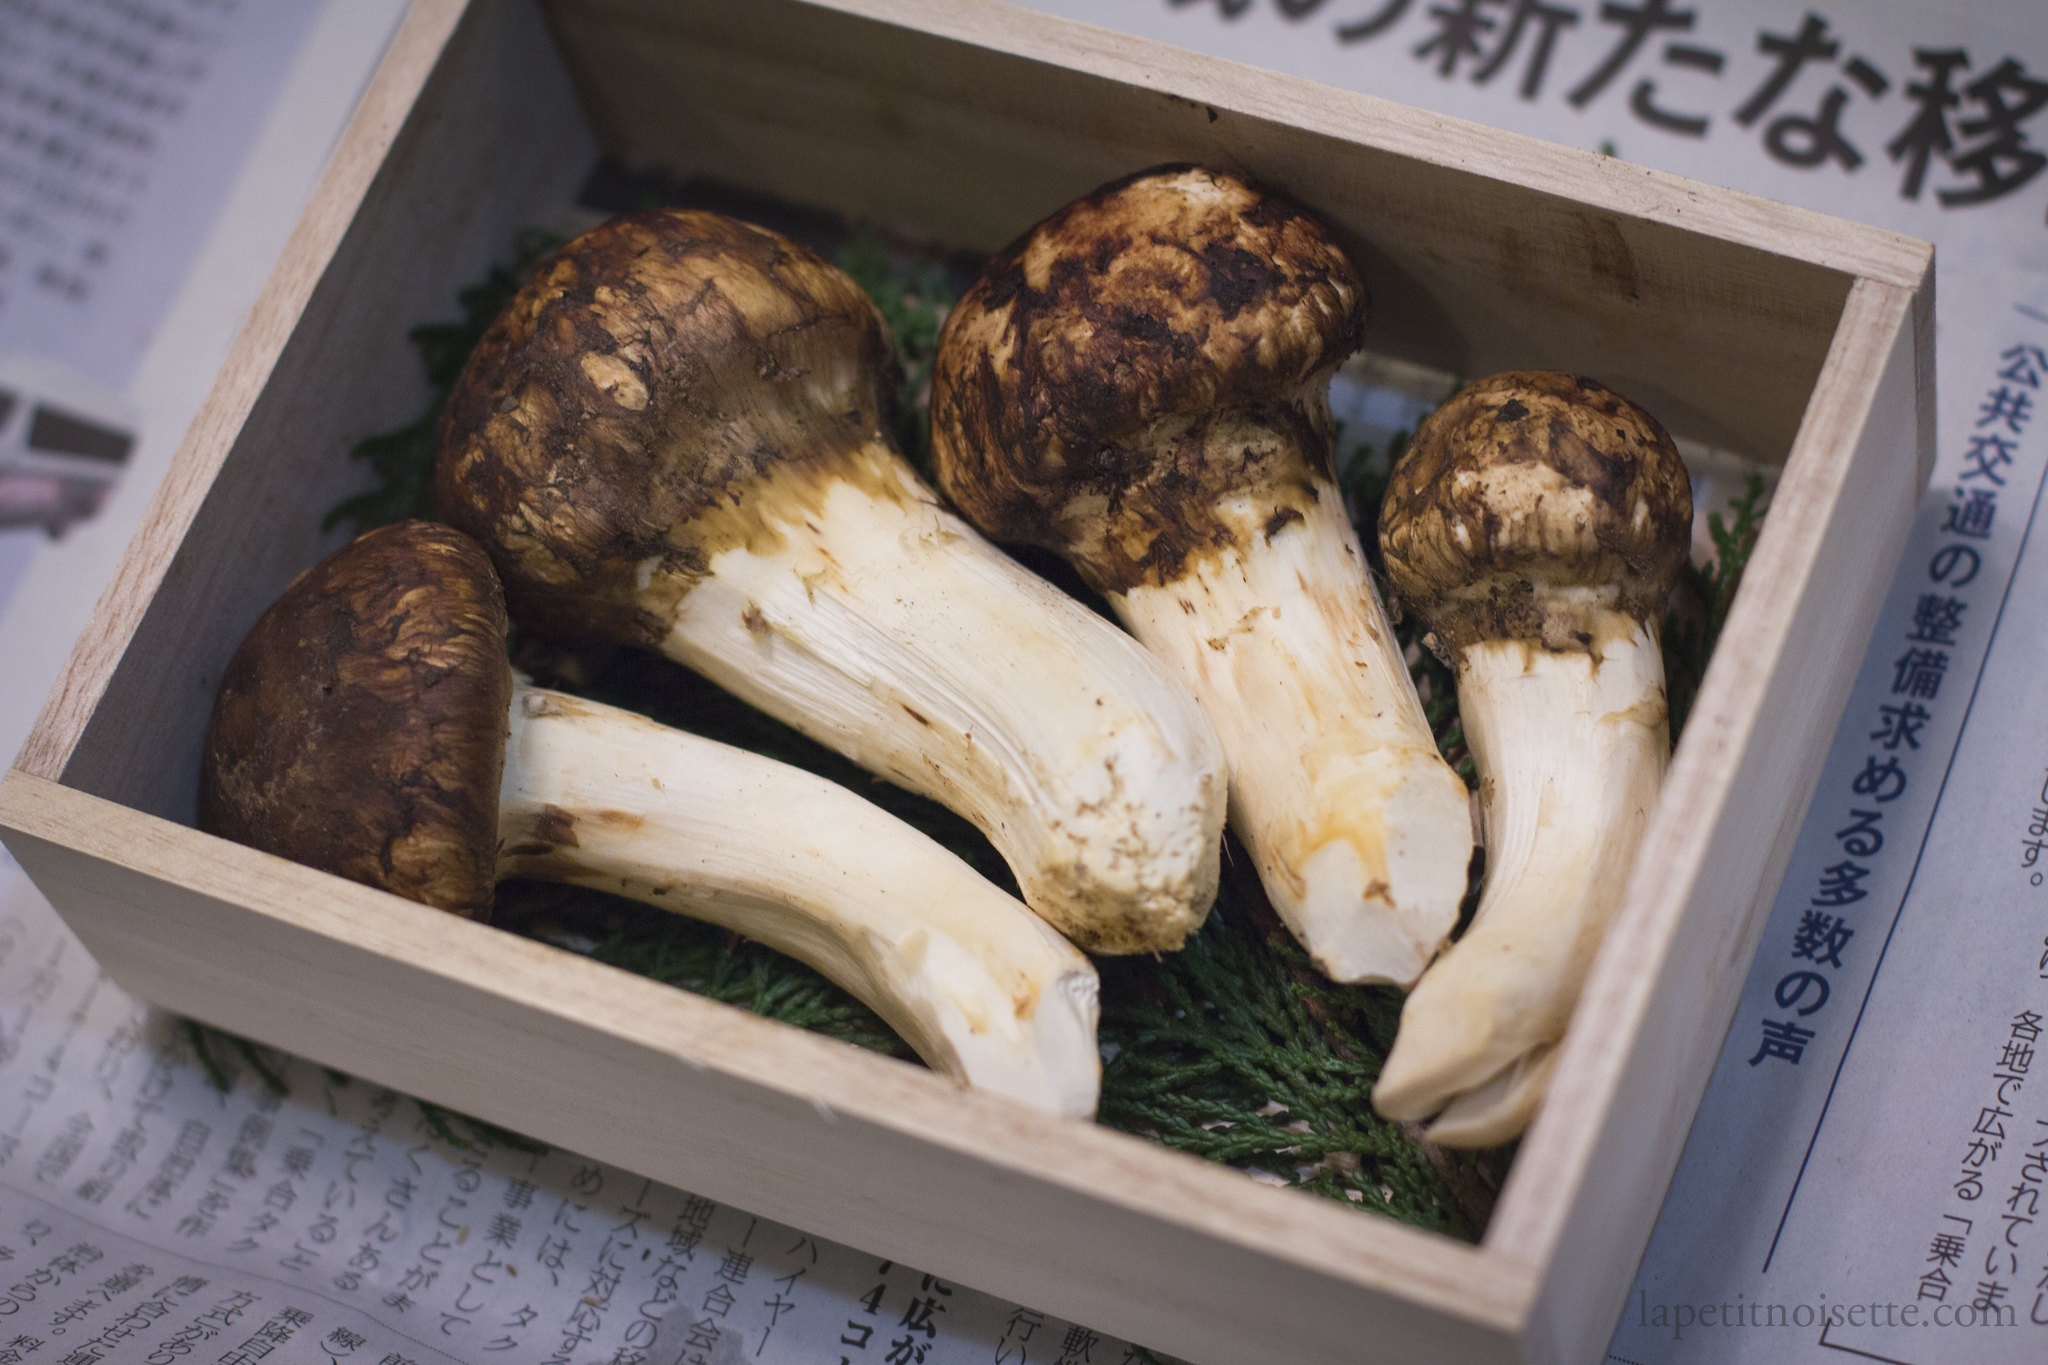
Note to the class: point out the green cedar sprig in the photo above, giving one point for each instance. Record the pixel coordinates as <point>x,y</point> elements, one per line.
<point>913,296</point>
<point>1705,594</point>
<point>1734,543</point>
<point>1236,1049</point>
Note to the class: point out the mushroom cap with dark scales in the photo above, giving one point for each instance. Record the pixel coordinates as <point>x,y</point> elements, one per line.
<point>1162,343</point>
<point>653,370</point>
<point>361,726</point>
<point>1520,492</point>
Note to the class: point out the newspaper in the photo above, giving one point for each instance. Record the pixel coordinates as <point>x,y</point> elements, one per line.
<point>154,157</point>
<point>1870,1154</point>
<point>121,130</point>
<point>156,1205</point>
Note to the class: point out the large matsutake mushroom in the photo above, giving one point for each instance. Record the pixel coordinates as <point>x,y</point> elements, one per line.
<point>1537,522</point>
<point>674,438</point>
<point>1141,384</point>
<point>370,726</point>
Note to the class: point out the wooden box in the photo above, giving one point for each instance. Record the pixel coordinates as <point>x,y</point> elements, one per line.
<point>1780,334</point>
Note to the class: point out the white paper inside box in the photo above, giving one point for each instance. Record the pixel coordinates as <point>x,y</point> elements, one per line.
<point>1782,336</point>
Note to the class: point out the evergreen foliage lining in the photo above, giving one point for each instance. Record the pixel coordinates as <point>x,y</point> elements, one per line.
<point>1705,594</point>
<point>914,296</point>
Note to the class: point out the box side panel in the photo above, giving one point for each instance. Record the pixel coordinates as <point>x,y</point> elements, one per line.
<point>968,145</point>
<point>1586,177</point>
<point>1058,1214</point>
<point>494,144</point>
<point>1649,1028</point>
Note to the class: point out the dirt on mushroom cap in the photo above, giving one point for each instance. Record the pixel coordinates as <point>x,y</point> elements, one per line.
<point>360,727</point>
<point>1148,349</point>
<point>655,369</point>
<point>1528,480</point>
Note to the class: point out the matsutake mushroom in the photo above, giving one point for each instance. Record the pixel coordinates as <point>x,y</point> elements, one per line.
<point>1537,523</point>
<point>370,726</point>
<point>1142,385</point>
<point>674,438</point>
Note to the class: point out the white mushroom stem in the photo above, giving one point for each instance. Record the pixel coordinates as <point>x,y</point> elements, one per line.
<point>972,980</point>
<point>1500,1109</point>
<point>875,621</point>
<point>1571,747</point>
<point>1360,831</point>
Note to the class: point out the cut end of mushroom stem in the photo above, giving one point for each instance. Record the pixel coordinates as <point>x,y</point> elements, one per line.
<point>1497,1111</point>
<point>981,988</point>
<point>1360,832</point>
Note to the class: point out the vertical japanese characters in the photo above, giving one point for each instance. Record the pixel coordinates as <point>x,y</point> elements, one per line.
<point>1986,1263</point>
<point>1835,912</point>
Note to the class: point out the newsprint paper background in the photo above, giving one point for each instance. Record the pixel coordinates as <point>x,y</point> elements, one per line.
<point>1865,1180</point>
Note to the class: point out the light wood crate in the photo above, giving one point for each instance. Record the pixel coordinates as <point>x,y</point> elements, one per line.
<point>1781,334</point>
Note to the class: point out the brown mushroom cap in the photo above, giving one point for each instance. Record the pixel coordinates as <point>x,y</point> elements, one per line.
<point>654,370</point>
<point>1147,350</point>
<point>360,728</point>
<point>1526,483</point>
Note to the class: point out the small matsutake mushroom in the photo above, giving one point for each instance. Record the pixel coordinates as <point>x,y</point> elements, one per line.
<point>1537,523</point>
<point>674,438</point>
<point>370,726</point>
<point>1142,385</point>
